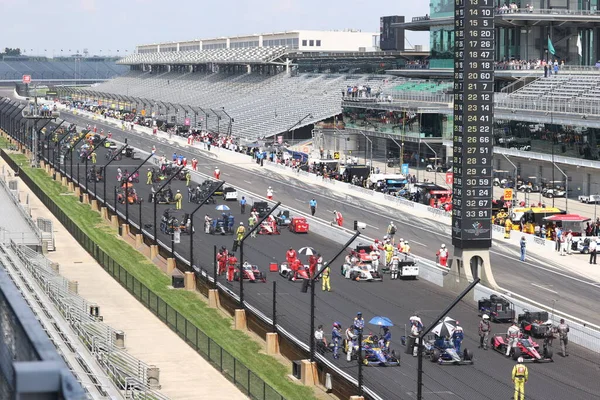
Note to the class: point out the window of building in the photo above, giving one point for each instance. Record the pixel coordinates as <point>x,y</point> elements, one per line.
<point>295,42</point>
<point>311,43</point>
<point>304,42</point>
<point>318,43</point>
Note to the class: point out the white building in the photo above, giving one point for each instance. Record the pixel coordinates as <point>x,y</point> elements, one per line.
<point>303,41</point>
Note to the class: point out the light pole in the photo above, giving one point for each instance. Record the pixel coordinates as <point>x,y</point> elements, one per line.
<point>114,156</point>
<point>127,188</point>
<point>312,293</point>
<point>71,150</point>
<point>220,185</point>
<point>86,164</point>
<point>515,178</point>
<point>436,158</point>
<point>241,245</point>
<point>156,203</point>
<point>298,123</point>
<point>371,142</point>
<point>429,329</point>
<point>231,121</point>
<point>566,188</point>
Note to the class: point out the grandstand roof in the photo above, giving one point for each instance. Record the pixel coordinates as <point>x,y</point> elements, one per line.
<point>251,55</point>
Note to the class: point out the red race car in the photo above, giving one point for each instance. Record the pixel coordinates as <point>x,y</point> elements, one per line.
<point>526,348</point>
<point>298,225</point>
<point>286,271</point>
<point>251,273</point>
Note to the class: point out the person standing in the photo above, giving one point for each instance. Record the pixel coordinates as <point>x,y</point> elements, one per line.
<point>312,265</point>
<point>269,193</point>
<point>326,285</point>
<point>457,337</point>
<point>188,178</point>
<point>320,340</point>
<point>593,247</point>
<point>391,232</point>
<point>149,177</point>
<point>178,199</point>
<point>563,336</point>
<point>194,164</point>
<point>313,206</point>
<point>251,222</point>
<point>231,261</point>
<point>523,244</point>
<point>520,375</point>
<point>484,331</point>
<point>513,333</point>
<point>243,205</point>
<point>569,241</point>
<point>336,339</point>
<point>217,173</point>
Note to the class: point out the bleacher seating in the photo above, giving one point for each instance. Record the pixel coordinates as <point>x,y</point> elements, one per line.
<point>60,69</point>
<point>261,105</point>
<point>219,56</point>
<point>578,92</point>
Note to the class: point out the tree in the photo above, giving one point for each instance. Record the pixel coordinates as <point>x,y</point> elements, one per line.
<point>11,52</point>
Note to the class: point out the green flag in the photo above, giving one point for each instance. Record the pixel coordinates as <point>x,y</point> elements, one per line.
<point>551,47</point>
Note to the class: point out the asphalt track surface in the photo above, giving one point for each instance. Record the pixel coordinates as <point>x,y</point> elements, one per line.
<point>574,377</point>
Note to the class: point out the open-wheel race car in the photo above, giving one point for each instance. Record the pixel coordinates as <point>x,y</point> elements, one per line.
<point>444,353</point>
<point>251,273</point>
<point>373,353</point>
<point>298,225</point>
<point>526,347</point>
<point>230,193</point>
<point>363,271</point>
<point>286,271</point>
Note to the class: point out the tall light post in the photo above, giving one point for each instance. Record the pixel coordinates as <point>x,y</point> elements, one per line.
<point>296,124</point>
<point>156,203</point>
<point>515,177</point>
<point>241,245</point>
<point>204,201</point>
<point>112,158</point>
<point>127,188</point>
<point>312,294</point>
<point>566,187</point>
<point>231,121</point>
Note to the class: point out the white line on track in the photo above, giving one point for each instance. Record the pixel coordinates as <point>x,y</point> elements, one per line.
<point>226,174</point>
<point>544,288</point>
<point>248,182</point>
<point>551,271</point>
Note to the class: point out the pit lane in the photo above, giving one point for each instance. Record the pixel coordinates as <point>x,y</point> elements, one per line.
<point>487,379</point>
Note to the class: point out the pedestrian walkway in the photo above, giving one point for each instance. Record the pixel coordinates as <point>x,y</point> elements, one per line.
<point>184,374</point>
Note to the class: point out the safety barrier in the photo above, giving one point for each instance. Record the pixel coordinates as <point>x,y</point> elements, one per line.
<point>232,368</point>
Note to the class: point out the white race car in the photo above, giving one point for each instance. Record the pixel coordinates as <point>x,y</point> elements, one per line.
<point>361,272</point>
<point>230,193</point>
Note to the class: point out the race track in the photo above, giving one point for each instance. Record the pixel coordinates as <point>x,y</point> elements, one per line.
<point>574,377</point>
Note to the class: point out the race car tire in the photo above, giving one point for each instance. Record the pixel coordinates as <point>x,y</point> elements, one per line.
<point>548,353</point>
<point>353,276</point>
<point>516,353</point>
<point>435,355</point>
<point>236,276</point>
<point>289,275</point>
<point>467,355</point>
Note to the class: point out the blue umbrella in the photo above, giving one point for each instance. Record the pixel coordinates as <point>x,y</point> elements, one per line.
<point>381,321</point>
<point>222,207</point>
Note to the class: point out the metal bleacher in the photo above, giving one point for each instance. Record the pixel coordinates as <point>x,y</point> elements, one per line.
<point>260,105</point>
<point>568,93</point>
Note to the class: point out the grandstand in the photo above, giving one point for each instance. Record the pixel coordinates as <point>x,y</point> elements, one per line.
<point>575,94</point>
<point>257,93</point>
<point>65,68</point>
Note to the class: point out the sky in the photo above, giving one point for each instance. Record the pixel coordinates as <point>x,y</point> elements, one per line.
<point>105,26</point>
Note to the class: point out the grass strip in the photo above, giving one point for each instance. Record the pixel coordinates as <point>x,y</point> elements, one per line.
<point>187,304</point>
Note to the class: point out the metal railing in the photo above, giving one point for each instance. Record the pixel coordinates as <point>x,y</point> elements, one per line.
<point>99,338</point>
<point>25,212</point>
<point>232,368</point>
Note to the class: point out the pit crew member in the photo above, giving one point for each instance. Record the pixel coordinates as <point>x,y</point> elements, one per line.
<point>484,331</point>
<point>394,265</point>
<point>375,259</point>
<point>351,338</point>
<point>359,322</point>
<point>442,256</point>
<point>320,340</point>
<point>458,336</point>
<point>513,334</point>
<point>336,339</point>
<point>231,261</point>
<point>290,256</point>
<point>520,375</point>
